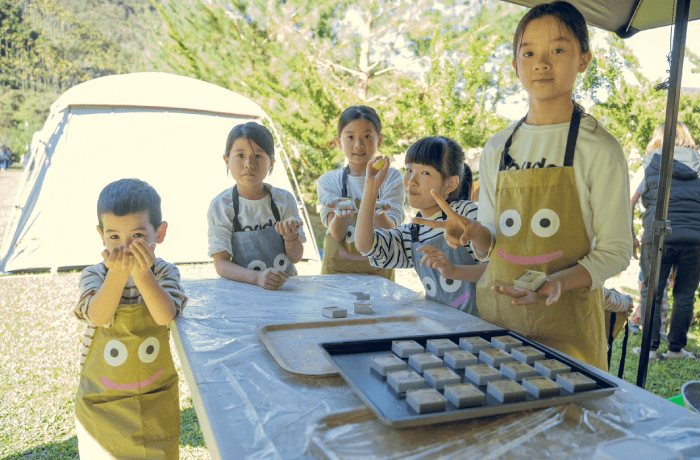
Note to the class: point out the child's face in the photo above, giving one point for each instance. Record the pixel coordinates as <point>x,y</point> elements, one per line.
<point>248,163</point>
<point>360,141</point>
<point>549,59</point>
<point>123,230</point>
<point>419,180</point>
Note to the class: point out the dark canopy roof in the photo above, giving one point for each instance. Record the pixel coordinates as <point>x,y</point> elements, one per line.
<point>625,17</point>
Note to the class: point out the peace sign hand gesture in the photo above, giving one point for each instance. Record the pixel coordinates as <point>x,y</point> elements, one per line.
<point>459,230</point>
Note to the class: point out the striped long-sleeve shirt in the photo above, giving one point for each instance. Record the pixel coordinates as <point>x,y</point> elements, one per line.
<point>92,279</point>
<point>392,248</point>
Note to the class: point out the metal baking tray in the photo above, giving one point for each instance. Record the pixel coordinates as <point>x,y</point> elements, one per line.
<point>295,346</point>
<point>352,360</point>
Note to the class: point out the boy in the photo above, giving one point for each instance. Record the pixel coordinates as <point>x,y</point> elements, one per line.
<point>127,404</point>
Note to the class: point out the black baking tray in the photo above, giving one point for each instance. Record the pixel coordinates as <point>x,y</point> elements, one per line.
<point>352,360</point>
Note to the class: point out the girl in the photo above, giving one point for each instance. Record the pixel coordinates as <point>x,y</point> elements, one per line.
<point>432,163</point>
<point>359,137</point>
<point>255,233</point>
<point>554,198</point>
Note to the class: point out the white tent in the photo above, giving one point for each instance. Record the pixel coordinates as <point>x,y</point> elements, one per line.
<point>165,129</point>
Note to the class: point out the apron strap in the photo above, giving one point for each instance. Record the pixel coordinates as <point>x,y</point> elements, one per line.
<point>621,369</point>
<point>507,160</point>
<point>344,181</point>
<point>611,336</point>
<point>236,207</point>
<point>415,228</point>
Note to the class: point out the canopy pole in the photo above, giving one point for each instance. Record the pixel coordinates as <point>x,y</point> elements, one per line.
<point>660,225</point>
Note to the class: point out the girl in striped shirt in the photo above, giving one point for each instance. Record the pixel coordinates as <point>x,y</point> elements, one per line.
<point>448,274</point>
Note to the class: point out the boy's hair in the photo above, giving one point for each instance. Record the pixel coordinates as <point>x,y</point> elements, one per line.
<point>127,196</point>
<point>447,157</point>
<point>252,132</point>
<point>359,112</point>
<point>683,138</point>
<point>565,12</point>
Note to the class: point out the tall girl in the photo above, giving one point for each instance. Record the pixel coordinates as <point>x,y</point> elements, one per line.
<point>554,198</point>
<point>359,137</point>
<point>432,163</point>
<point>255,233</point>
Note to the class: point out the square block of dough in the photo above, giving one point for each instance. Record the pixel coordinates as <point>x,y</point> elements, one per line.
<point>505,342</point>
<point>527,355</point>
<point>406,348</point>
<point>481,374</point>
<point>506,391</point>
<point>517,371</point>
<point>575,381</point>
<point>402,381</point>
<point>531,279</point>
<point>426,400</point>
<point>473,344</point>
<point>464,395</point>
<point>335,312</point>
<point>345,204</point>
<point>387,363</point>
<point>438,378</point>
<point>550,368</point>
<point>361,295</point>
<point>438,347</point>
<point>423,361</point>
<point>541,387</point>
<point>363,308</point>
<point>494,357</point>
<point>379,204</point>
<point>459,359</point>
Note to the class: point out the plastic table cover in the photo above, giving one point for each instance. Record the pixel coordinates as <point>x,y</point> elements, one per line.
<point>249,407</point>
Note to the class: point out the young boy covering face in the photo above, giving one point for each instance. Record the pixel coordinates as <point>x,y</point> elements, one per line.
<point>127,403</point>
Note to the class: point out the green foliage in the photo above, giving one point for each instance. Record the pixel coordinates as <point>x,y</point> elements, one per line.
<point>305,63</point>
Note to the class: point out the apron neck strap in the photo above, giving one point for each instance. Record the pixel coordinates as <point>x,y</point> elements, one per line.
<point>236,206</point>
<point>415,228</point>
<point>344,181</point>
<point>507,160</point>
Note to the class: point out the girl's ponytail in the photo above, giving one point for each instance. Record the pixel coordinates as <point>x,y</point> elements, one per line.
<point>465,192</point>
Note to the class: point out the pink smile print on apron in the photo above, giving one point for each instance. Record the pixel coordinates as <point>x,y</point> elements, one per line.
<point>116,354</point>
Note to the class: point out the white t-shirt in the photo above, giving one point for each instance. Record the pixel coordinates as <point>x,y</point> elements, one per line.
<point>602,182</point>
<point>330,188</point>
<point>392,248</point>
<point>253,215</point>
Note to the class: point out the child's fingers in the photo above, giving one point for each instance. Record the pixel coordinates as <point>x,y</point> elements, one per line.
<point>428,222</point>
<point>105,255</point>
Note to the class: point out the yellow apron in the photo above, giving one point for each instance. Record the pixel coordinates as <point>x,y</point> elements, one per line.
<point>343,256</point>
<point>127,400</point>
<point>539,226</point>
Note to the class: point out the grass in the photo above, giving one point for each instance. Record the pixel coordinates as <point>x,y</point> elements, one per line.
<point>665,377</point>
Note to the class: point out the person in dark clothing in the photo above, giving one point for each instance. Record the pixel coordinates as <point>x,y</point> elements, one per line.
<point>681,248</point>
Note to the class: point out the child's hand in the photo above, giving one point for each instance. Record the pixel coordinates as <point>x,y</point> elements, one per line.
<point>548,293</point>
<point>272,279</point>
<point>144,258</point>
<point>381,207</point>
<point>458,229</point>
<point>341,210</point>
<point>120,260</point>
<point>289,229</point>
<point>375,177</point>
<point>435,258</point>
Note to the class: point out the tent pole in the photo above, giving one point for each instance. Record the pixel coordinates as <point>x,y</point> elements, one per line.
<point>660,225</point>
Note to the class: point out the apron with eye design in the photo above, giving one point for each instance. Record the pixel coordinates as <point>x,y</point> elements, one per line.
<point>539,226</point>
<point>127,404</point>
<point>343,256</point>
<point>455,293</point>
<point>259,249</point>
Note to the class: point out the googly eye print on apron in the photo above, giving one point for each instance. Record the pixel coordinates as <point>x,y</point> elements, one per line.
<point>127,404</point>
<point>259,249</point>
<point>455,293</point>
<point>343,256</point>
<point>539,226</point>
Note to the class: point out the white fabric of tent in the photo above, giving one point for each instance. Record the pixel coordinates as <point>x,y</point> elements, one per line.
<point>165,129</point>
